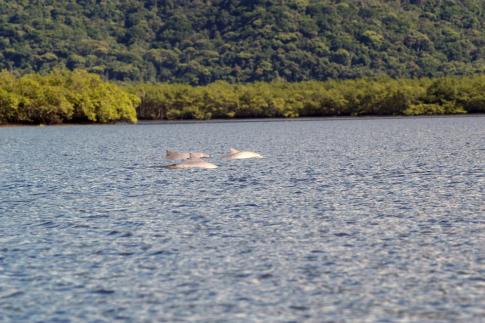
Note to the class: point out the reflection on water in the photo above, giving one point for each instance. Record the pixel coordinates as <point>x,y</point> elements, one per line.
<point>343,220</point>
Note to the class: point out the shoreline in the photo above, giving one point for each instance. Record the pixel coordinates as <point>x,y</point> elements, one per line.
<point>246,120</point>
<point>303,119</point>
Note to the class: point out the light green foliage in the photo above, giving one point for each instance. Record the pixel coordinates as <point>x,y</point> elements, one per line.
<point>383,96</point>
<point>99,101</point>
<point>43,100</point>
<point>433,108</point>
<point>471,94</point>
<point>79,96</point>
<point>62,96</point>
<point>423,109</point>
<point>9,103</point>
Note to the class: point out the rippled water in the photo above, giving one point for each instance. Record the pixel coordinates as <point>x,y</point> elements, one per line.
<point>343,220</point>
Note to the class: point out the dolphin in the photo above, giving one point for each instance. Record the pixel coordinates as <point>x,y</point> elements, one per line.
<point>192,162</point>
<point>237,154</point>
<point>177,155</point>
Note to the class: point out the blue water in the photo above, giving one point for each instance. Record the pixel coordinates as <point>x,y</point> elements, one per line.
<point>344,220</point>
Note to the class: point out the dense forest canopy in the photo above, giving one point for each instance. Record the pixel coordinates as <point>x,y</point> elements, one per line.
<point>201,41</point>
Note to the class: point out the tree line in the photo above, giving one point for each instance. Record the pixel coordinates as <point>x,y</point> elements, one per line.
<point>383,96</point>
<point>78,96</point>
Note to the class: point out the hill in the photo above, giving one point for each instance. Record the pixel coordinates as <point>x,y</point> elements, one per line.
<point>201,41</point>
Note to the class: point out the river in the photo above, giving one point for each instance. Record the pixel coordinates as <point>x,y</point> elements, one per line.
<point>343,220</point>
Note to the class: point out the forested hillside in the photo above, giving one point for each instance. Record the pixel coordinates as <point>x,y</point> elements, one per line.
<point>201,41</point>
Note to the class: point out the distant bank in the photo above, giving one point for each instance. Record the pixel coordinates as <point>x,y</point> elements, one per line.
<point>80,97</point>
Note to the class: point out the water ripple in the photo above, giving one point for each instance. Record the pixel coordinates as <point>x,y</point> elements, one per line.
<point>348,220</point>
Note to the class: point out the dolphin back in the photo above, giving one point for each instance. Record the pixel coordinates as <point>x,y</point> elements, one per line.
<point>192,163</point>
<point>197,154</point>
<point>175,155</point>
<point>178,155</point>
<point>233,151</point>
<point>237,154</point>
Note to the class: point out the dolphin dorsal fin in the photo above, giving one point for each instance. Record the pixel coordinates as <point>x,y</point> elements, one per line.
<point>233,151</point>
<point>169,152</point>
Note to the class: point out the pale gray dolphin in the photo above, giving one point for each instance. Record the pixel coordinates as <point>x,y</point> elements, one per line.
<point>178,155</point>
<point>237,154</point>
<point>192,162</point>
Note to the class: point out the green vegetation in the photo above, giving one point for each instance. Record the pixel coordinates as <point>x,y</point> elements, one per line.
<point>79,96</point>
<point>308,99</point>
<point>200,42</point>
<point>62,96</point>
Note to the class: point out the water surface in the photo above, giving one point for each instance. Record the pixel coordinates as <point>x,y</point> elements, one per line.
<point>344,220</point>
